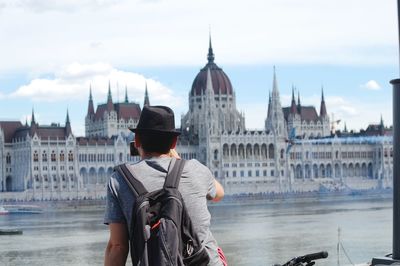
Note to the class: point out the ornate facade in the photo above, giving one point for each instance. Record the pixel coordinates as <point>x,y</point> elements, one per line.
<point>111,119</point>
<point>294,151</point>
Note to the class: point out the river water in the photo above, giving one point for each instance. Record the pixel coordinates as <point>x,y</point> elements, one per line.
<point>251,234</point>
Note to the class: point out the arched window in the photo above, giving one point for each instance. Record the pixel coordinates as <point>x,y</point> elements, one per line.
<point>225,150</point>
<point>215,154</point>
<point>44,156</point>
<point>35,156</point>
<point>264,151</point>
<point>62,157</point>
<point>8,158</point>
<point>256,150</point>
<point>271,151</point>
<point>233,150</point>
<point>53,156</point>
<point>70,156</point>
<point>249,151</point>
<point>241,151</point>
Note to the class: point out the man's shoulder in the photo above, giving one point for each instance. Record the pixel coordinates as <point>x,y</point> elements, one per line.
<point>194,167</point>
<point>194,163</point>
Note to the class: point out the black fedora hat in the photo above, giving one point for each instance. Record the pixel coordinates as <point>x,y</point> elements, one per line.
<point>157,119</point>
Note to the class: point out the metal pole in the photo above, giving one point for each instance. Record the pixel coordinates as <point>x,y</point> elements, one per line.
<point>396,155</point>
<point>398,26</point>
<point>396,168</point>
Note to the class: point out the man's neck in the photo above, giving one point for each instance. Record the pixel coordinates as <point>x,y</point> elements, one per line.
<point>147,155</point>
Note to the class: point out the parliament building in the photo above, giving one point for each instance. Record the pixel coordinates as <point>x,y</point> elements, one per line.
<point>294,151</point>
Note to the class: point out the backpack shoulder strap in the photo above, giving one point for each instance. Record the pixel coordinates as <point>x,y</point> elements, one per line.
<point>135,185</point>
<point>174,173</point>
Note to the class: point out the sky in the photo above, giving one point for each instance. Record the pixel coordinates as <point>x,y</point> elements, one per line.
<point>51,52</point>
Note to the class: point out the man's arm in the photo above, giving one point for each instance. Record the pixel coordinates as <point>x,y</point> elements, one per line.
<point>118,245</point>
<point>219,191</point>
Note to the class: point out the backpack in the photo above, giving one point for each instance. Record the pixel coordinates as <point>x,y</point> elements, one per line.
<point>161,232</point>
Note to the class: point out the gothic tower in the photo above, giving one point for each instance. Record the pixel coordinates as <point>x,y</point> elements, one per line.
<point>212,82</point>
<point>275,122</point>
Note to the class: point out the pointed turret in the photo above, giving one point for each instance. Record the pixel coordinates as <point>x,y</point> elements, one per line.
<point>34,125</point>
<point>382,127</point>
<point>322,112</point>
<point>146,97</point>
<point>90,105</point>
<point>298,103</point>
<point>33,122</point>
<point>126,94</point>
<point>67,118</point>
<point>293,107</point>
<point>275,92</point>
<point>68,129</point>
<point>209,86</point>
<point>110,105</point>
<point>276,122</point>
<point>209,105</point>
<point>210,56</point>
<point>269,105</point>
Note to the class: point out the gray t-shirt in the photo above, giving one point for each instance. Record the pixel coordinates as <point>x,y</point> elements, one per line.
<point>196,184</point>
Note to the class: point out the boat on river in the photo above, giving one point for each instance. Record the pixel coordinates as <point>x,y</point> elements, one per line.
<point>3,211</point>
<point>22,209</point>
<point>10,232</point>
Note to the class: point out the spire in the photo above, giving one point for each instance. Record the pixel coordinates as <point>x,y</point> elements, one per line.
<point>275,92</point>
<point>345,128</point>
<point>110,105</point>
<point>90,92</point>
<point>210,55</point>
<point>90,105</point>
<point>298,98</point>
<point>33,117</point>
<point>126,94</point>
<point>68,129</point>
<point>67,119</point>
<point>298,102</point>
<point>322,112</point>
<point>269,105</point>
<point>209,85</point>
<point>293,108</point>
<point>382,127</point>
<point>276,121</point>
<point>146,97</point>
<point>34,125</point>
<point>109,97</point>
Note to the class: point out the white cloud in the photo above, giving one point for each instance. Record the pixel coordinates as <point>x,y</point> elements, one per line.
<point>175,32</point>
<point>59,5</point>
<point>371,85</point>
<point>73,81</point>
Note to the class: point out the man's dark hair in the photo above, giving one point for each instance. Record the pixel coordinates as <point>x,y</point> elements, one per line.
<point>156,142</point>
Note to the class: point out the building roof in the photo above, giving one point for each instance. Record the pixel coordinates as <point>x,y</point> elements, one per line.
<point>127,110</point>
<point>52,132</point>
<point>124,110</point>
<point>9,128</point>
<point>220,81</point>
<point>14,130</point>
<point>308,113</point>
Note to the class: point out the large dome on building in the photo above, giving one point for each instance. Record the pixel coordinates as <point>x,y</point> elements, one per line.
<point>220,81</point>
